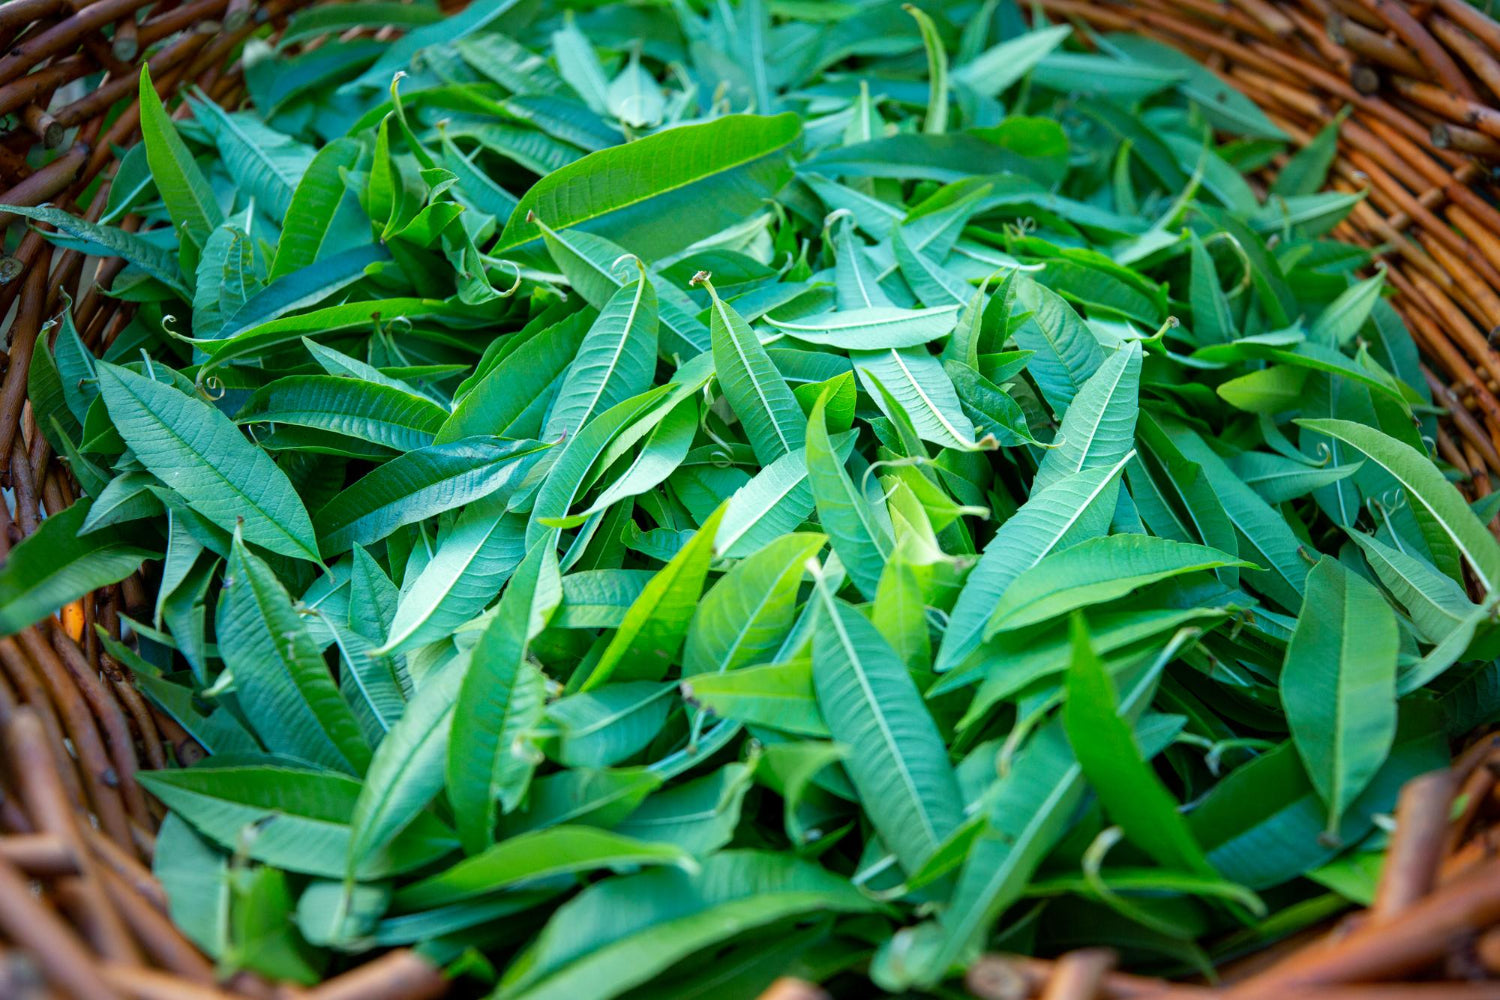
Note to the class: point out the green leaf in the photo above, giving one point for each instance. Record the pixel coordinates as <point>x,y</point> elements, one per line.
<point>490,759</point>
<point>1098,427</point>
<point>189,199</point>
<point>1072,510</point>
<point>55,565</point>
<point>1346,315</point>
<point>609,724</point>
<point>540,854</point>
<point>936,120</point>
<point>265,163</point>
<point>624,931</point>
<point>195,876</point>
<point>503,393</point>
<point>289,817</point>
<point>420,484</point>
<point>995,69</point>
<point>1066,352</point>
<point>659,194</point>
<point>1132,794</point>
<point>199,453</point>
<point>1278,479</point>
<point>1338,685</point>
<point>878,328</point>
<point>779,696</point>
<point>1268,390</point>
<point>585,452</point>
<point>310,218</point>
<point>775,501</point>
<point>699,816</point>
<point>406,771</point>
<point>744,617</point>
<point>755,389</point>
<point>467,570</point>
<point>1437,605</point>
<point>1096,571</point>
<point>616,360</point>
<point>369,411</point>
<point>916,383</point>
<point>1428,491</point>
<point>898,763</point>
<point>1262,824</point>
<point>855,517</point>
<point>280,679</point>
<point>106,241</point>
<point>588,262</point>
<point>647,642</point>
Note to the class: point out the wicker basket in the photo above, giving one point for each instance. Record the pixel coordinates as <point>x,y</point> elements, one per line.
<point>82,917</point>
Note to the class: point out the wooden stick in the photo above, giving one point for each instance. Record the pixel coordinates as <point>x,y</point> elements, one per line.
<point>1376,951</point>
<point>397,975</point>
<point>61,956</point>
<point>1017,977</point>
<point>1080,974</point>
<point>39,854</point>
<point>1416,848</point>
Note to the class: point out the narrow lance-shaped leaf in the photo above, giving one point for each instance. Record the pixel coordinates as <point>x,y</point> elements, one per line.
<point>615,361</point>
<point>1106,748</point>
<point>898,761</point>
<point>407,768</point>
<point>659,194</point>
<point>755,389</point>
<point>647,642</point>
<point>421,483</point>
<point>855,518</point>
<point>280,679</point>
<point>470,565</point>
<point>1429,492</point>
<point>1075,508</point>
<point>1096,571</point>
<point>56,565</point>
<point>1098,427</point>
<point>746,614</point>
<point>501,699</point>
<point>189,199</point>
<point>1339,684</point>
<point>198,452</point>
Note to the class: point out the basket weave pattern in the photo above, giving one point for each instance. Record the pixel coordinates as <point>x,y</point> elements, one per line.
<point>80,914</point>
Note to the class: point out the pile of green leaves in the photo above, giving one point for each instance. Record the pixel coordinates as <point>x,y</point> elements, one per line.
<point>621,544</point>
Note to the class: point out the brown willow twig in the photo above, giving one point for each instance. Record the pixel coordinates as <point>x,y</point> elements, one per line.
<point>1376,951</point>
<point>1416,848</point>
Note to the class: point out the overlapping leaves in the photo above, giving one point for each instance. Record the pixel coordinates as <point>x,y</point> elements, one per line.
<point>653,502</point>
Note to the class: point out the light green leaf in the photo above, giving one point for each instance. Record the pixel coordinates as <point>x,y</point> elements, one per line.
<point>756,391</point>
<point>877,328</point>
<point>898,761</point>
<point>56,565</point>
<point>281,682</point>
<point>744,617</point>
<point>299,818</point>
<point>199,453</point>
<point>503,696</point>
<point>1096,571</point>
<point>1428,491</point>
<point>646,644</point>
<point>661,193</point>
<point>1075,508</point>
<point>556,850</point>
<point>1338,685</point>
